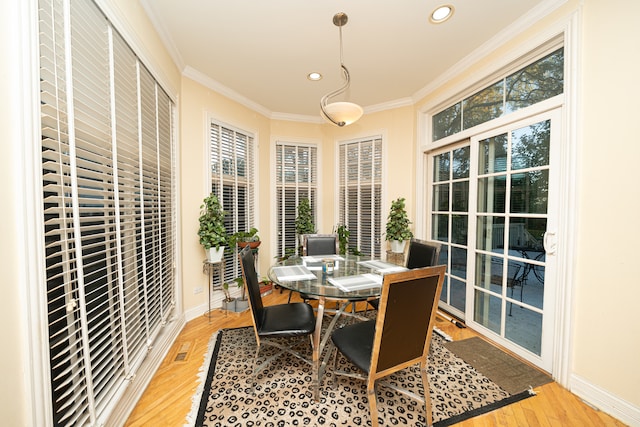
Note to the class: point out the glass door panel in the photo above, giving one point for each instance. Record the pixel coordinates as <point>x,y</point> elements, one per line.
<point>450,222</point>
<point>510,261</point>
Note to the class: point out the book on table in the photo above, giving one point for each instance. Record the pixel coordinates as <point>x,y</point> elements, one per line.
<point>382,266</point>
<point>357,282</point>
<point>290,273</point>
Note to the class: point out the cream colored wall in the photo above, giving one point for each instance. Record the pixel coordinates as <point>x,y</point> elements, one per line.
<point>606,282</point>
<point>198,102</point>
<point>14,364</point>
<point>131,20</point>
<point>606,323</point>
<point>605,327</point>
<point>397,127</point>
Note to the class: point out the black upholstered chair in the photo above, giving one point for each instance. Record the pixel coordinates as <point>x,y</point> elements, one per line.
<point>420,254</point>
<point>276,321</point>
<point>398,338</point>
<point>317,244</point>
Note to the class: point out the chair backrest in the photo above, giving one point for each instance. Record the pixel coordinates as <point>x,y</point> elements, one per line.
<point>319,244</point>
<point>406,315</point>
<point>247,263</point>
<point>422,254</point>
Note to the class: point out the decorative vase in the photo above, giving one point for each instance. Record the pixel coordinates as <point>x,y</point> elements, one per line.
<point>229,304</point>
<point>397,246</point>
<point>215,255</point>
<point>241,305</point>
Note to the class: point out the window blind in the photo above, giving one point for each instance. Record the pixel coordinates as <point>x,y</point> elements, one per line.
<point>232,157</point>
<point>296,179</point>
<point>360,193</point>
<point>109,211</point>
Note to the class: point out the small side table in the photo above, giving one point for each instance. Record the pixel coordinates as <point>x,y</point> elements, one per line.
<point>213,269</point>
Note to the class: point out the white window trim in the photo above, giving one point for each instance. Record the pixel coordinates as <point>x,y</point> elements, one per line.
<point>569,28</point>
<point>384,206</point>
<point>212,119</point>
<point>319,219</point>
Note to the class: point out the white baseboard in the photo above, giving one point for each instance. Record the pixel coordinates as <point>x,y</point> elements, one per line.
<point>145,372</point>
<point>216,302</point>
<point>195,312</point>
<point>605,401</point>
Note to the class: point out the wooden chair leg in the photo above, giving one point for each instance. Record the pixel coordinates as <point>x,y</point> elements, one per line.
<point>373,407</point>
<point>427,395</point>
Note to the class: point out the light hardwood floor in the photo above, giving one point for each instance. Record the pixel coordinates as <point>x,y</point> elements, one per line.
<point>167,399</point>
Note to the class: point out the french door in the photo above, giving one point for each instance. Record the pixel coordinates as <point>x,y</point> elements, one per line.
<point>494,208</point>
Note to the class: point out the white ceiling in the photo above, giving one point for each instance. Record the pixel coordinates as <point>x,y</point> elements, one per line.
<point>261,51</point>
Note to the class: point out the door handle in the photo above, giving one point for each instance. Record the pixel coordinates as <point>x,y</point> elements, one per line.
<point>550,242</point>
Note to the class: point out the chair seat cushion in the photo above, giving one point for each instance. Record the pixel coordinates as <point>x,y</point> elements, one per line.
<point>356,342</point>
<point>287,320</point>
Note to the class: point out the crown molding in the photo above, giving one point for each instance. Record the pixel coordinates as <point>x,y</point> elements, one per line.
<point>513,30</point>
<point>164,34</point>
<point>215,85</point>
<point>389,105</point>
<point>297,118</point>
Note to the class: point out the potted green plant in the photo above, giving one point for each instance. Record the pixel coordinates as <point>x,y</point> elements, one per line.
<point>343,238</point>
<point>304,220</point>
<point>242,303</point>
<point>228,303</point>
<point>212,233</point>
<point>244,238</point>
<point>397,230</point>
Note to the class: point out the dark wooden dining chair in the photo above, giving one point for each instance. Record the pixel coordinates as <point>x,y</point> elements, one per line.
<point>421,254</point>
<point>272,323</point>
<point>398,338</point>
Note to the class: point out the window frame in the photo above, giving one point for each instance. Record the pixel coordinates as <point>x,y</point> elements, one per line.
<point>233,182</point>
<point>375,225</point>
<point>93,174</point>
<point>285,217</point>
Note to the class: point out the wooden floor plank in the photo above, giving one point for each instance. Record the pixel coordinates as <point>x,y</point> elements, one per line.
<point>167,399</point>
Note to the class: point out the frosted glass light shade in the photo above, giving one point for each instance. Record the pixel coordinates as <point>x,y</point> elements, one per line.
<point>344,113</point>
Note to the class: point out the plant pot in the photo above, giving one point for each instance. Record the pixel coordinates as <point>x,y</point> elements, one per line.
<point>215,255</point>
<point>242,305</point>
<point>252,245</point>
<point>266,289</point>
<point>397,246</point>
<point>229,305</point>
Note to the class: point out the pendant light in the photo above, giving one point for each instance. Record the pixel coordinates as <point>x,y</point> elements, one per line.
<point>340,113</point>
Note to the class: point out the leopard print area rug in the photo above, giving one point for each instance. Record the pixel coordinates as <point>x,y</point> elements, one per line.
<point>283,396</point>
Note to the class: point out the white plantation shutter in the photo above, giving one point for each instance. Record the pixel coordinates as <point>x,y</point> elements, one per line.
<point>232,157</point>
<point>360,193</point>
<point>108,193</point>
<point>296,179</point>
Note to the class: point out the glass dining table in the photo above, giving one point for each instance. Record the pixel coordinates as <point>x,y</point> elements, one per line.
<point>340,278</point>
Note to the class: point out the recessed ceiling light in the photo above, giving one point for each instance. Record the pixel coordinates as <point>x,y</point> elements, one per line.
<point>441,14</point>
<point>314,76</point>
